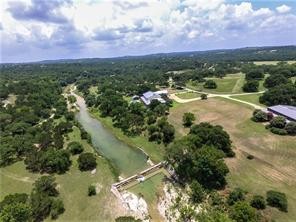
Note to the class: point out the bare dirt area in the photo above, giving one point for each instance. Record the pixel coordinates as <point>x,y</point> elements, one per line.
<point>274,163</point>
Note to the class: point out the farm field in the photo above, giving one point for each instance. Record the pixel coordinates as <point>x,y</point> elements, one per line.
<point>274,164</point>
<point>188,95</point>
<point>72,186</point>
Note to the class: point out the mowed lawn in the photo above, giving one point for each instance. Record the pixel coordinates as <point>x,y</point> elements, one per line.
<point>188,95</point>
<point>274,165</point>
<point>231,83</point>
<point>73,187</point>
<point>253,98</point>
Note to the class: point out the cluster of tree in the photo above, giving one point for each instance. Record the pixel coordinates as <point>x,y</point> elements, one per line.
<point>210,84</point>
<point>284,94</point>
<point>278,124</point>
<point>162,131</point>
<point>188,119</point>
<point>41,203</point>
<point>25,129</point>
<point>199,156</point>
<point>253,75</point>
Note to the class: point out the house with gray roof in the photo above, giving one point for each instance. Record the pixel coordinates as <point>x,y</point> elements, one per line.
<point>289,112</point>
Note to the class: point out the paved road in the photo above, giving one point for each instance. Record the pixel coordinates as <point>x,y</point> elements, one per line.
<point>227,96</point>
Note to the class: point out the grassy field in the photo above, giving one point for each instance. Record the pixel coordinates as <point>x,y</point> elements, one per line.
<point>154,150</point>
<point>188,95</point>
<point>253,98</point>
<point>271,62</point>
<point>150,189</point>
<point>230,84</point>
<point>72,186</point>
<point>274,165</point>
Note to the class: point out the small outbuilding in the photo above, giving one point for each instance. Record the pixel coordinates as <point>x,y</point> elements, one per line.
<point>289,112</point>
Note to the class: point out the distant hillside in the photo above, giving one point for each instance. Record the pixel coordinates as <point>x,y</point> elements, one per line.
<point>241,54</point>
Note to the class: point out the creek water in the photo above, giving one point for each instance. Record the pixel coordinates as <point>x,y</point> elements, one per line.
<point>128,160</point>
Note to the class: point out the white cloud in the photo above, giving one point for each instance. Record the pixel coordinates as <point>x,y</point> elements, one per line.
<point>110,28</point>
<point>283,9</point>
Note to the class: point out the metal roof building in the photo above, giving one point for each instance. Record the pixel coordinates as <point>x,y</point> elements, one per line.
<point>284,110</point>
<point>149,96</point>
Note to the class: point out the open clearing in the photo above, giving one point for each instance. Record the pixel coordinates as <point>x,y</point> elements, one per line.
<point>274,165</point>
<point>73,187</point>
<point>253,98</point>
<point>272,62</point>
<point>230,84</point>
<point>188,95</point>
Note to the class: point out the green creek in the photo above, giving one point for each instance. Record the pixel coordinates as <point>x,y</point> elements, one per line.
<point>128,160</point>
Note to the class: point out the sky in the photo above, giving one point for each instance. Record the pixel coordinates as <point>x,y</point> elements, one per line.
<point>34,30</point>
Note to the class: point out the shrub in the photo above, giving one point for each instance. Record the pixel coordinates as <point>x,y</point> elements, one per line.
<point>277,199</point>
<point>75,148</point>
<point>57,208</point>
<point>278,122</point>
<point>127,219</point>
<point>291,128</point>
<point>278,131</point>
<point>197,192</point>
<point>92,190</point>
<point>259,116</point>
<point>188,119</point>
<point>250,157</point>
<point>87,161</point>
<point>243,212</point>
<point>236,195</point>
<point>204,96</point>
<point>258,202</point>
<point>210,84</point>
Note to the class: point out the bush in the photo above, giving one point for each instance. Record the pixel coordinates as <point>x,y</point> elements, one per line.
<point>291,128</point>
<point>87,161</point>
<point>188,119</point>
<point>92,190</point>
<point>197,192</point>
<point>75,148</point>
<point>250,157</point>
<point>277,199</point>
<point>210,84</point>
<point>243,212</point>
<point>258,202</point>
<point>236,195</point>
<point>204,96</point>
<point>278,131</point>
<point>259,116</point>
<point>57,208</point>
<point>126,219</point>
<point>278,122</point>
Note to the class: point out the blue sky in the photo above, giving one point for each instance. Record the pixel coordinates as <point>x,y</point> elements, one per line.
<point>33,30</point>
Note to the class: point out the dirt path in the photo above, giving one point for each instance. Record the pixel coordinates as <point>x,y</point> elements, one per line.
<point>175,97</point>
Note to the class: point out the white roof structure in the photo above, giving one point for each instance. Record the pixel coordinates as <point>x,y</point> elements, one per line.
<point>149,96</point>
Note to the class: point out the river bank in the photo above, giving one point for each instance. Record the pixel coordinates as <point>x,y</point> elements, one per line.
<point>153,150</point>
